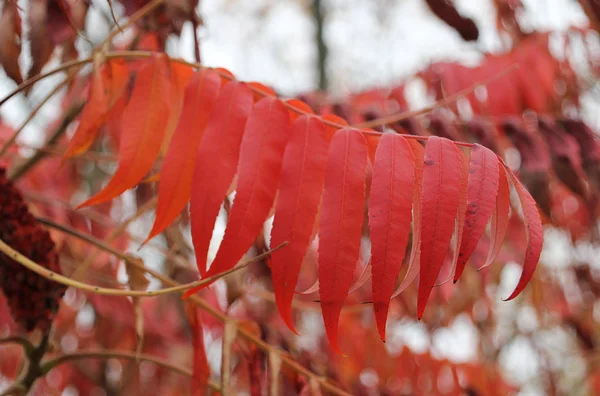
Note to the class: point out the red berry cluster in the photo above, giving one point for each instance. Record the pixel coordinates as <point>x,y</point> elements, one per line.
<point>33,300</point>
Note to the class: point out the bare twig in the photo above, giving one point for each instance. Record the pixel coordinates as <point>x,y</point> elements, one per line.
<point>54,276</point>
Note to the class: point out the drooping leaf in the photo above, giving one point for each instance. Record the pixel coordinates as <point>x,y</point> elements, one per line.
<point>178,167</point>
<point>500,218</point>
<point>106,89</point>
<point>300,105</point>
<point>180,77</point>
<point>390,205</point>
<point>216,161</point>
<point>300,189</point>
<point>413,263</point>
<point>439,200</point>
<point>92,117</point>
<point>482,191</point>
<point>261,155</point>
<point>535,235</point>
<point>143,126</point>
<point>459,224</point>
<point>341,224</point>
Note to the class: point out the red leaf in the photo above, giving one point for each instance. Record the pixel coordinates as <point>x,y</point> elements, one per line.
<point>500,219</point>
<point>390,205</point>
<point>261,155</point>
<point>413,262</point>
<point>178,167</point>
<point>300,188</point>
<point>180,76</point>
<point>10,41</point>
<point>439,199</point>
<point>107,87</point>
<point>535,235</point>
<point>216,162</point>
<point>341,222</point>
<point>300,105</point>
<point>481,195</point>
<point>262,89</point>
<point>115,75</point>
<point>92,118</point>
<point>143,127</point>
<point>459,225</point>
<point>200,367</point>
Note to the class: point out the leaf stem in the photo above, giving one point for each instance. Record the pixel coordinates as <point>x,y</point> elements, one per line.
<point>28,347</point>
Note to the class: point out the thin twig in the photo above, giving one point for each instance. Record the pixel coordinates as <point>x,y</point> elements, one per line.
<point>28,347</point>
<point>22,169</point>
<point>116,354</point>
<point>54,276</point>
<point>212,311</point>
<point>440,103</point>
<point>381,121</point>
<point>32,114</point>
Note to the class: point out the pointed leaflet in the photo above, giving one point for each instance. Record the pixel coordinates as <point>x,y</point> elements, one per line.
<point>261,155</point>
<point>178,167</point>
<point>216,161</point>
<point>481,197</point>
<point>390,205</point>
<point>439,205</point>
<point>535,235</point>
<point>459,224</point>
<point>341,222</point>
<point>200,368</point>
<point>143,127</point>
<point>413,263</point>
<point>300,188</point>
<point>499,219</point>
<point>106,89</point>
<point>180,76</point>
<point>92,118</point>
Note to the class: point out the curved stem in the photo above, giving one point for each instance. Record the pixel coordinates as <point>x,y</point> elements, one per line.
<point>378,122</point>
<point>56,277</point>
<point>28,347</point>
<point>116,354</point>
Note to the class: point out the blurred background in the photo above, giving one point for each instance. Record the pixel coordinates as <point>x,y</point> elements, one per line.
<point>362,60</point>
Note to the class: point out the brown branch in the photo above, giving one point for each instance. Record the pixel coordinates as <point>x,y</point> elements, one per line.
<point>28,347</point>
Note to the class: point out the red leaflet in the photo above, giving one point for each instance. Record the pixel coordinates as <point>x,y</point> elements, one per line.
<point>413,262</point>
<point>178,167</point>
<point>459,225</point>
<point>300,105</point>
<point>259,168</point>
<point>341,222</point>
<point>500,219</point>
<point>331,130</point>
<point>260,90</point>
<point>216,161</point>
<point>300,188</point>
<point>180,76</point>
<point>92,118</point>
<point>481,196</point>
<point>200,368</point>
<point>439,200</point>
<point>143,127</point>
<point>390,205</point>
<point>535,233</point>
<point>106,89</point>
<point>115,74</point>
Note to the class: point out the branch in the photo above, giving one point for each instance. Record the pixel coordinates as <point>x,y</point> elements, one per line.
<point>440,103</point>
<point>56,277</point>
<point>28,347</point>
<point>115,354</point>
